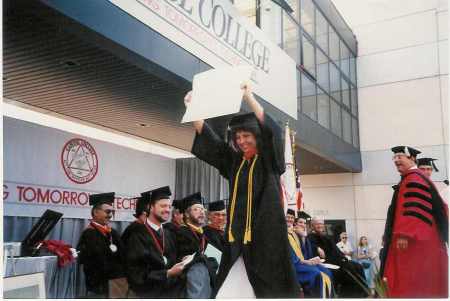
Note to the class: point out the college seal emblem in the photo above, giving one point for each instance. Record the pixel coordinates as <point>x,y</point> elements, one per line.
<point>79,161</point>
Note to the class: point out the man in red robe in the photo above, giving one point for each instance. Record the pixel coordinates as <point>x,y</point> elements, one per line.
<point>416,233</point>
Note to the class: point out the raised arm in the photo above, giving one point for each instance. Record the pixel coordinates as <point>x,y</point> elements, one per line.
<point>252,102</point>
<point>198,124</point>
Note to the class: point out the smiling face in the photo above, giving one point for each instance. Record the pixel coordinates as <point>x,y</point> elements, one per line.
<point>402,162</point>
<point>217,219</point>
<point>160,210</point>
<point>427,170</point>
<point>245,140</point>
<point>103,214</point>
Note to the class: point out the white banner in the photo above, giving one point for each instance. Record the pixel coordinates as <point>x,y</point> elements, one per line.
<point>214,31</point>
<point>45,168</point>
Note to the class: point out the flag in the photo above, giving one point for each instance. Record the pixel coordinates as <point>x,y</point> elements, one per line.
<point>288,179</point>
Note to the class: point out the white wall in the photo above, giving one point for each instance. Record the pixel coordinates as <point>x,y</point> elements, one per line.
<point>403,100</point>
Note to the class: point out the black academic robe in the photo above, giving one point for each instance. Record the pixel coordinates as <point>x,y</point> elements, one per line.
<point>145,268</point>
<point>100,264</point>
<point>190,242</point>
<point>349,288</point>
<point>172,227</point>
<point>268,253</point>
<point>215,237</point>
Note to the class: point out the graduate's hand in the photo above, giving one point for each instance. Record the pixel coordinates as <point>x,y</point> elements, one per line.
<point>247,89</point>
<point>198,124</point>
<point>176,270</point>
<point>402,243</point>
<point>321,252</point>
<point>188,98</point>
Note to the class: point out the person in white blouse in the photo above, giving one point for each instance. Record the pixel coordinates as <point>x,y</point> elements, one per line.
<point>345,246</point>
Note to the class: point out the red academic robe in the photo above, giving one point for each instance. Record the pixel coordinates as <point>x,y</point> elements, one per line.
<point>421,270</point>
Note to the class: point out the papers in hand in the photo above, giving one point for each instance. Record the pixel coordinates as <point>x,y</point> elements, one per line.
<point>213,252</point>
<point>330,266</point>
<point>217,92</point>
<point>188,259</point>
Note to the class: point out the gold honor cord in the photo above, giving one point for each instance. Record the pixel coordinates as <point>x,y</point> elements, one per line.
<point>326,285</point>
<point>248,231</point>
<point>295,244</point>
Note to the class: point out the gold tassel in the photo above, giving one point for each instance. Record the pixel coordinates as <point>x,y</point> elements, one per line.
<point>248,226</point>
<point>233,203</point>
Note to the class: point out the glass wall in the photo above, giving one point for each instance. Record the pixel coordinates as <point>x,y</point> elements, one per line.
<point>327,80</point>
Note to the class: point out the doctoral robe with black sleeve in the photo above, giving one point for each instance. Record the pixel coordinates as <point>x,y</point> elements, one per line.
<point>100,264</point>
<point>267,255</point>
<point>418,214</point>
<point>145,268</point>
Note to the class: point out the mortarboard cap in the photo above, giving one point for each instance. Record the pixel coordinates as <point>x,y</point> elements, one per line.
<point>141,205</point>
<point>407,150</point>
<point>101,198</point>
<point>177,204</point>
<point>290,212</point>
<point>190,200</point>
<point>304,215</point>
<point>216,206</point>
<point>157,194</point>
<point>427,162</point>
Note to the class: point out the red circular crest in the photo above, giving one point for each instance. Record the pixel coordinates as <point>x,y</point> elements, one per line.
<point>79,161</point>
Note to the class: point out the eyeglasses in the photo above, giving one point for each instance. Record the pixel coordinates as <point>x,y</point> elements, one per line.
<point>109,211</point>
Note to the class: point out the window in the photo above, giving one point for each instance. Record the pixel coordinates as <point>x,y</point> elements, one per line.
<point>355,132</point>
<point>347,126</point>
<point>308,97</point>
<point>294,4</point>
<point>321,31</point>
<point>335,83</point>
<point>271,21</point>
<point>336,127</point>
<point>354,100</point>
<point>345,59</point>
<point>353,69</point>
<point>322,70</point>
<point>307,16</point>
<point>309,61</point>
<point>291,41</point>
<point>323,109</point>
<point>345,92</point>
<point>334,46</point>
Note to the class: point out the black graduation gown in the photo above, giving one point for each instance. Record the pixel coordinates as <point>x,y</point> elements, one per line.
<point>349,288</point>
<point>172,228</point>
<point>267,256</point>
<point>100,264</point>
<point>189,243</point>
<point>145,268</point>
<point>215,237</point>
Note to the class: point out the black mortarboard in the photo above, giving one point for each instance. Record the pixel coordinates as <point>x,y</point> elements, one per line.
<point>427,162</point>
<point>101,198</point>
<point>177,204</point>
<point>216,206</point>
<point>304,215</point>
<point>157,194</point>
<point>190,200</point>
<point>407,150</point>
<point>290,212</point>
<point>141,205</point>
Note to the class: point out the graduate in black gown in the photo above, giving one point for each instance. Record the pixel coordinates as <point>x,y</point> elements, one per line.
<point>348,287</point>
<point>191,239</point>
<point>150,251</point>
<point>100,247</point>
<point>177,217</point>
<point>214,231</point>
<point>256,229</point>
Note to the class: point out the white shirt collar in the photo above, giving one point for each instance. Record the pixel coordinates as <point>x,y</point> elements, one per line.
<point>413,167</point>
<point>154,226</point>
